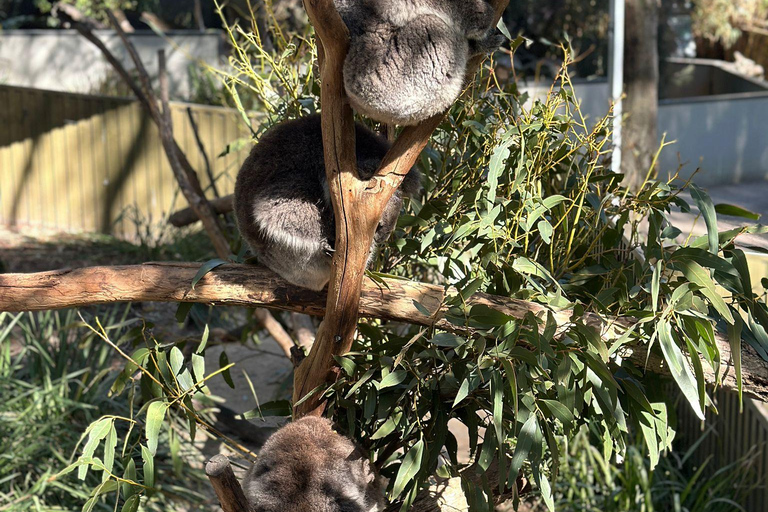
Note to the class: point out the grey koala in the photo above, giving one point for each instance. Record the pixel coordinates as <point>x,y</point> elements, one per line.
<point>283,206</point>
<point>407,58</point>
<point>307,467</point>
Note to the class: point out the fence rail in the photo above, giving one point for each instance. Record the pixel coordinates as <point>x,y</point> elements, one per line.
<point>76,162</point>
<point>728,437</point>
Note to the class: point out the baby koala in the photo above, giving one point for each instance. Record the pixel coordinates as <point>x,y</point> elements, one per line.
<point>407,59</point>
<point>283,206</point>
<point>307,467</point>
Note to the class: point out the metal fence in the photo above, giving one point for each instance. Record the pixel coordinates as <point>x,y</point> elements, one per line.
<point>728,437</point>
<point>76,162</point>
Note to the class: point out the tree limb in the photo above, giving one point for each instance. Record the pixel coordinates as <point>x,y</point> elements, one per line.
<point>253,286</point>
<point>228,490</point>
<point>357,205</point>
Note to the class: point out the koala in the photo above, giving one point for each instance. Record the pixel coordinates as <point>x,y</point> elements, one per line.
<point>407,58</point>
<point>307,467</point>
<point>283,206</point>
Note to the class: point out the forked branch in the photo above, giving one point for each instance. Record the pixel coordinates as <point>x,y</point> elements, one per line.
<point>357,205</point>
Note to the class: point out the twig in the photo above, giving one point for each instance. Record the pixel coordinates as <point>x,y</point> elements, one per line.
<point>228,490</point>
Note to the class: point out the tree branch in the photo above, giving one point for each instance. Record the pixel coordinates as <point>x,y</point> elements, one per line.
<point>357,205</point>
<point>252,286</point>
<point>228,490</point>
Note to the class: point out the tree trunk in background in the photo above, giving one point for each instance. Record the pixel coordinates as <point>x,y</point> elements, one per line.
<point>641,81</point>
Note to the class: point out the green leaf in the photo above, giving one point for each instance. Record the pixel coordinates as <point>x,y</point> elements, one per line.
<point>223,363</point>
<point>110,444</point>
<point>469,384</point>
<point>155,415</point>
<point>96,432</point>
<point>176,359</point>
<point>696,274</point>
<point>274,408</point>
<point>448,340</point>
<point>409,468</point>
<point>207,267</point>
<point>559,411</point>
<point>736,211</point>
<point>130,475</point>
<point>131,504</point>
<point>393,379</point>
<point>149,466</point>
<point>487,316</point>
<point>495,168</point>
<point>198,367</point>
<point>678,366</point>
<point>707,209</point>
<point>347,364</point>
<point>388,426</point>
<point>655,284</point>
<point>524,444</point>
<point>203,341</point>
<point>183,310</point>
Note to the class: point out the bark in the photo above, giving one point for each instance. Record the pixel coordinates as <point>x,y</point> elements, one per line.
<point>252,286</point>
<point>640,140</point>
<point>228,490</point>
<point>187,216</point>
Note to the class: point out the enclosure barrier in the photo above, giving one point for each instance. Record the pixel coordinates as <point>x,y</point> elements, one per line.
<point>75,162</point>
<point>728,437</point>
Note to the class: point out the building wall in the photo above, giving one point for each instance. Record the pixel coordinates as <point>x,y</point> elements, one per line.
<point>62,60</point>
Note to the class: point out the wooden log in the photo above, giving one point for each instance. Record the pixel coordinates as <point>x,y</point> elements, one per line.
<point>187,216</point>
<point>224,482</point>
<point>253,286</point>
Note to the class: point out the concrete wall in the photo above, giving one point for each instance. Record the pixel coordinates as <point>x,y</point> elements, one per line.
<point>62,60</point>
<point>726,135</point>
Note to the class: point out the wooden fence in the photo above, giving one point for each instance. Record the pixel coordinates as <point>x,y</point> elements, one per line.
<point>728,437</point>
<point>75,162</point>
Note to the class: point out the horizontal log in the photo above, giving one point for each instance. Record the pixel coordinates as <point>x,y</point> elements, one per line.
<point>253,286</point>
<point>188,216</point>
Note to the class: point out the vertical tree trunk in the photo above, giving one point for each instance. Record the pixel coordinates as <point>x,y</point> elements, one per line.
<point>640,139</point>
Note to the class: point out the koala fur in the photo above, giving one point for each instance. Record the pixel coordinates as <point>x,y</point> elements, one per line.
<point>307,467</point>
<point>283,206</point>
<point>407,58</point>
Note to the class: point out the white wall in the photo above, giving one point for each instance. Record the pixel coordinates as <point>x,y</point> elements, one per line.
<point>727,136</point>
<point>62,60</point>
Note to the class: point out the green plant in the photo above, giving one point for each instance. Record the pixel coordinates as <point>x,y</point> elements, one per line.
<point>520,203</point>
<point>55,380</point>
<point>591,482</point>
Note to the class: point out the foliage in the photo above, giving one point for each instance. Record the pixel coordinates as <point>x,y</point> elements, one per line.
<point>583,24</point>
<point>519,202</point>
<point>590,482</point>
<point>55,379</point>
<point>725,20</point>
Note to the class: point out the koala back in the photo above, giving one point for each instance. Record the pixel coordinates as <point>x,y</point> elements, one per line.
<point>407,58</point>
<point>282,206</point>
<point>307,467</point>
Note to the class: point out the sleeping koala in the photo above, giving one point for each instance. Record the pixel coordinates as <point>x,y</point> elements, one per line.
<point>307,467</point>
<point>283,206</point>
<point>407,58</point>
